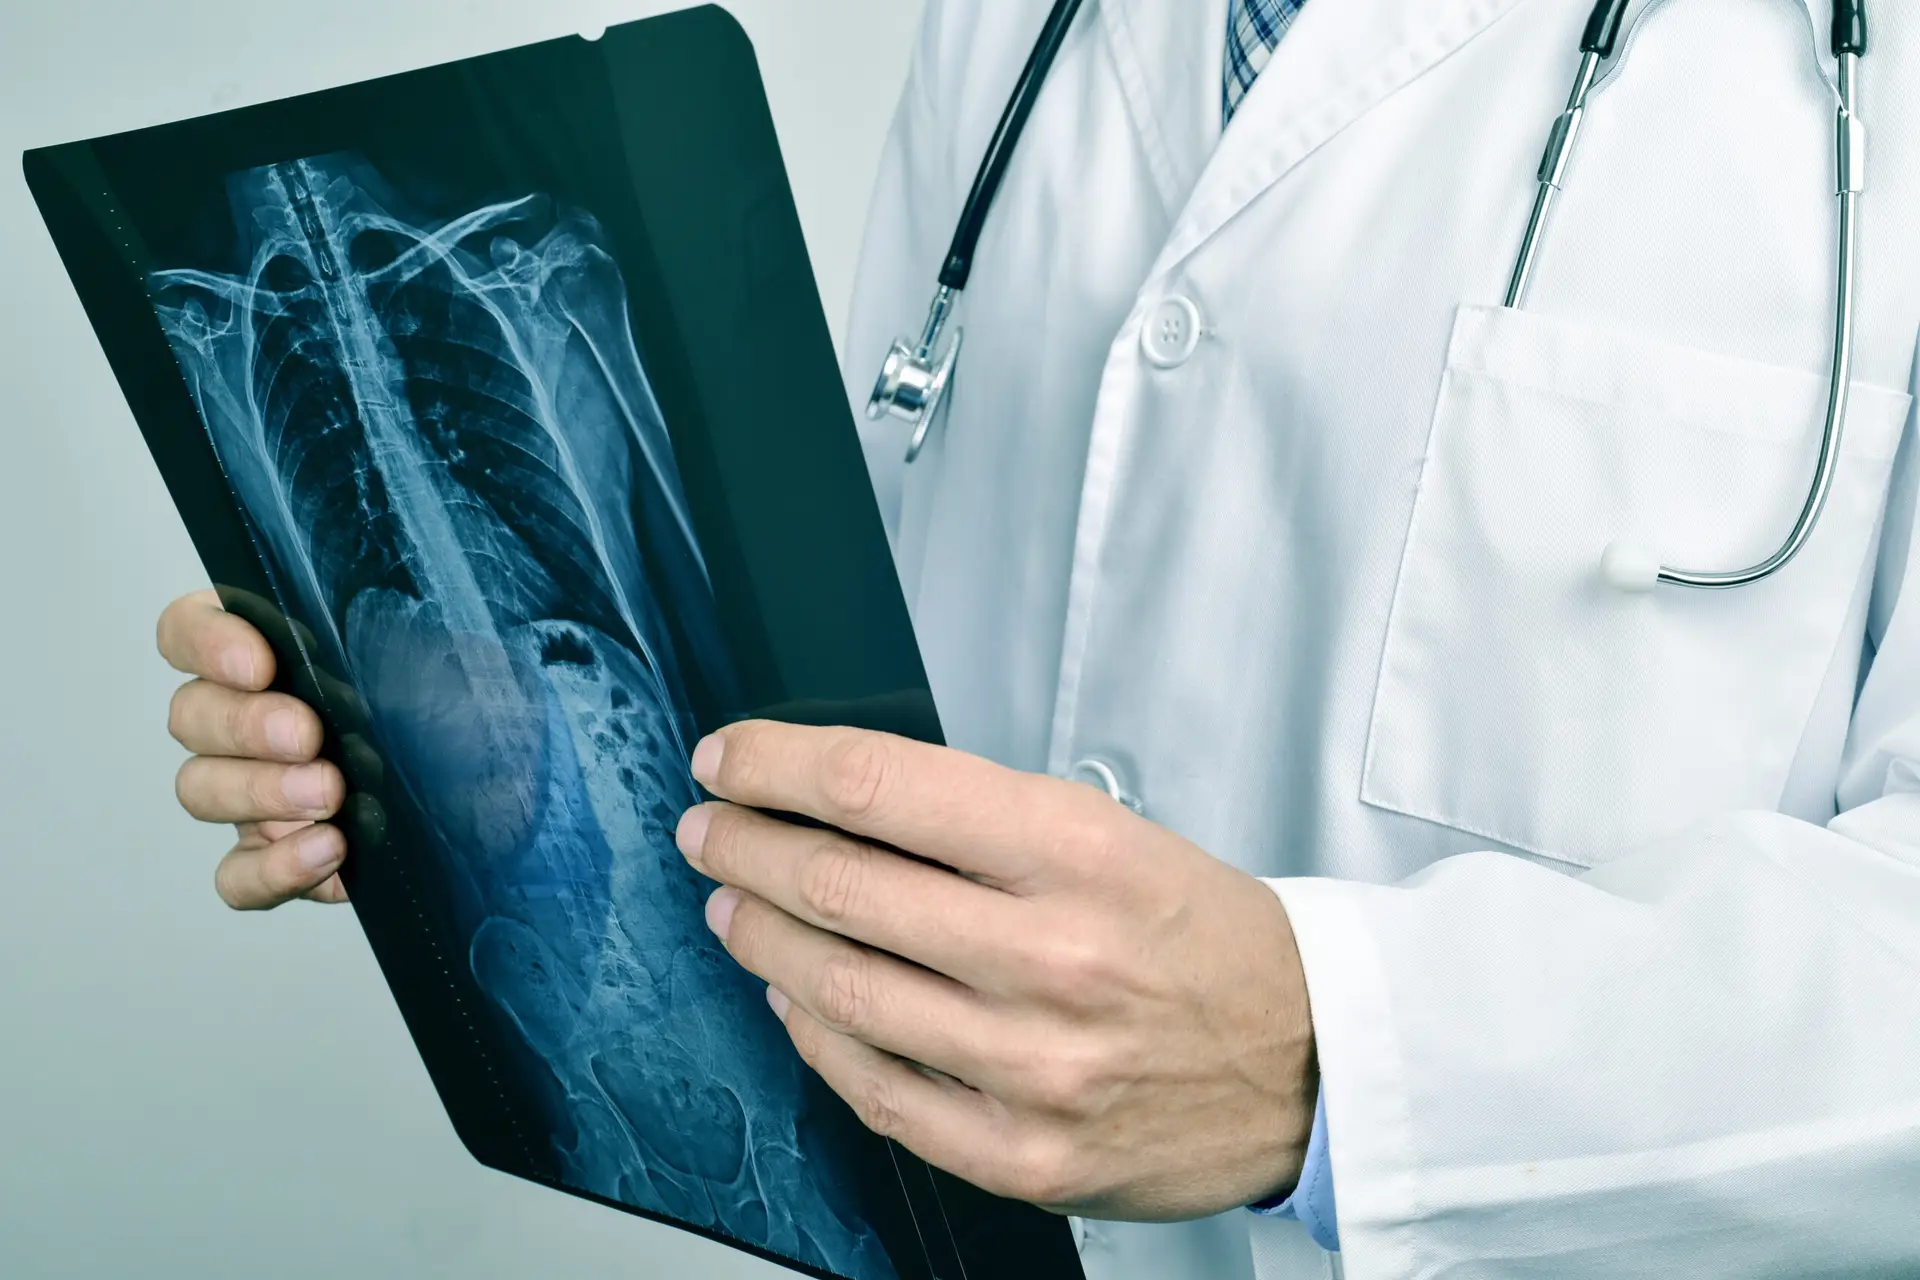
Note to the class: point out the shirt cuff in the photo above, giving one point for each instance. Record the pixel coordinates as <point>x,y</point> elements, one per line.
<point>1311,1203</point>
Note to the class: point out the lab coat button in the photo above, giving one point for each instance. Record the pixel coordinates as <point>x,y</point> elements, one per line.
<point>1171,332</point>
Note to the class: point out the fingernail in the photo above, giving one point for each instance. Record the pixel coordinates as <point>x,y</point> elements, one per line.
<point>706,760</point>
<point>283,733</point>
<point>306,788</point>
<point>778,1003</point>
<point>692,833</point>
<point>319,849</point>
<point>720,909</point>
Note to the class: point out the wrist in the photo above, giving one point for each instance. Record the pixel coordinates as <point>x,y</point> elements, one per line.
<point>1294,1065</point>
<point>1293,1163</point>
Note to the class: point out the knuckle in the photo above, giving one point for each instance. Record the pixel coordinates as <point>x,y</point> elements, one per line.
<point>1073,969</point>
<point>877,1104</point>
<point>243,725</point>
<point>859,772</point>
<point>833,882</point>
<point>845,996</point>
<point>1090,840</point>
<point>809,1039</point>
<point>1043,1171</point>
<point>264,796</point>
<point>1108,839</point>
<point>1061,1079</point>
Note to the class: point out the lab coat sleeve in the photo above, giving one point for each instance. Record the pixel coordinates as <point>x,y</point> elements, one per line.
<point>909,222</point>
<point>1700,1059</point>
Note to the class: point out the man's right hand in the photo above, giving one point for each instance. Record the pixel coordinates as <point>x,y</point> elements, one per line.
<point>255,761</point>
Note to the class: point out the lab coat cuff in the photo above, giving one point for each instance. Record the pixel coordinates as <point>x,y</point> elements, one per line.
<point>1362,1071</point>
<point>1311,1204</point>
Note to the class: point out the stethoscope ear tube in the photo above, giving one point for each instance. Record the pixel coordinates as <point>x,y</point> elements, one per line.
<point>1603,28</point>
<point>1849,27</point>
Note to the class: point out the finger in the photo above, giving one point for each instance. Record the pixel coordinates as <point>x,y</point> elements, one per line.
<point>259,835</point>
<point>332,893</point>
<point>281,634</point>
<point>953,808</point>
<point>213,720</point>
<point>942,1121</point>
<point>928,915</point>
<point>300,865</point>
<point>200,638</point>
<point>217,790</point>
<point>856,991</point>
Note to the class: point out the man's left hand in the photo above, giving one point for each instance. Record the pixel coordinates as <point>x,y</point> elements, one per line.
<point>1053,998</point>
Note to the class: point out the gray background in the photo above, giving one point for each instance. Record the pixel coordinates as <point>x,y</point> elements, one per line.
<point>183,1091</point>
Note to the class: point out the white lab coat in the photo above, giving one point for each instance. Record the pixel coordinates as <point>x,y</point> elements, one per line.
<point>1609,904</point>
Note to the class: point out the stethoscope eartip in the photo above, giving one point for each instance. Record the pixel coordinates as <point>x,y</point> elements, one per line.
<point>1629,568</point>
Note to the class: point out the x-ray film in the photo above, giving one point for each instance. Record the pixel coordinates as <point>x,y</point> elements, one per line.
<point>499,396</point>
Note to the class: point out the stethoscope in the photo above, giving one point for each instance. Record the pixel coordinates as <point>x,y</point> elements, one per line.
<point>914,381</point>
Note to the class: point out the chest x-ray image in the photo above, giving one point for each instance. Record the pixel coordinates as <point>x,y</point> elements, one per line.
<point>459,381</point>
<point>455,463</point>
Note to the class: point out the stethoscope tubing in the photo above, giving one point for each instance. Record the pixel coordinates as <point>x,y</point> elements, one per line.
<point>914,382</point>
<point>1839,393</point>
<point>958,267</point>
<point>1625,567</point>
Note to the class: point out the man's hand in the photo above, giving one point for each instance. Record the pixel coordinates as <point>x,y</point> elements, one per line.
<point>255,761</point>
<point>1093,1015</point>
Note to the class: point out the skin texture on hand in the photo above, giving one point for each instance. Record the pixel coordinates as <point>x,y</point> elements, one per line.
<point>1086,1012</point>
<point>255,761</point>
<point>1051,997</point>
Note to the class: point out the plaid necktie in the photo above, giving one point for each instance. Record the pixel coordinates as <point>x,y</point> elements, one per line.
<point>1254,28</point>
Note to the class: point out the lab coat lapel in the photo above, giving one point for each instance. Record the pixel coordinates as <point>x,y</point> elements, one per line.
<point>1340,59</point>
<point>1171,57</point>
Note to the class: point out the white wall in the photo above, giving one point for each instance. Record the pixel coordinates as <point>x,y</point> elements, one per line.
<point>185,1092</point>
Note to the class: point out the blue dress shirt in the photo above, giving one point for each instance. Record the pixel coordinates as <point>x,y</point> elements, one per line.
<point>1311,1203</point>
<point>1254,29</point>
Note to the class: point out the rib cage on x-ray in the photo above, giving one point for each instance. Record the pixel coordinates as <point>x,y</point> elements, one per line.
<point>446,443</point>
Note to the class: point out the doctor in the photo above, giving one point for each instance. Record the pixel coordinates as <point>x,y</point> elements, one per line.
<point>1589,943</point>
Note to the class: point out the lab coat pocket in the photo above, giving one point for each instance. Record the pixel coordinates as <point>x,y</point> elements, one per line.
<point>1523,699</point>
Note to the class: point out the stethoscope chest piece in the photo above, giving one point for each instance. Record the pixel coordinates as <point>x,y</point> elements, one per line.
<point>915,377</point>
<point>912,384</point>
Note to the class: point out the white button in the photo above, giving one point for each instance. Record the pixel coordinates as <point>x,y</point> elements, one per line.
<point>1172,332</point>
